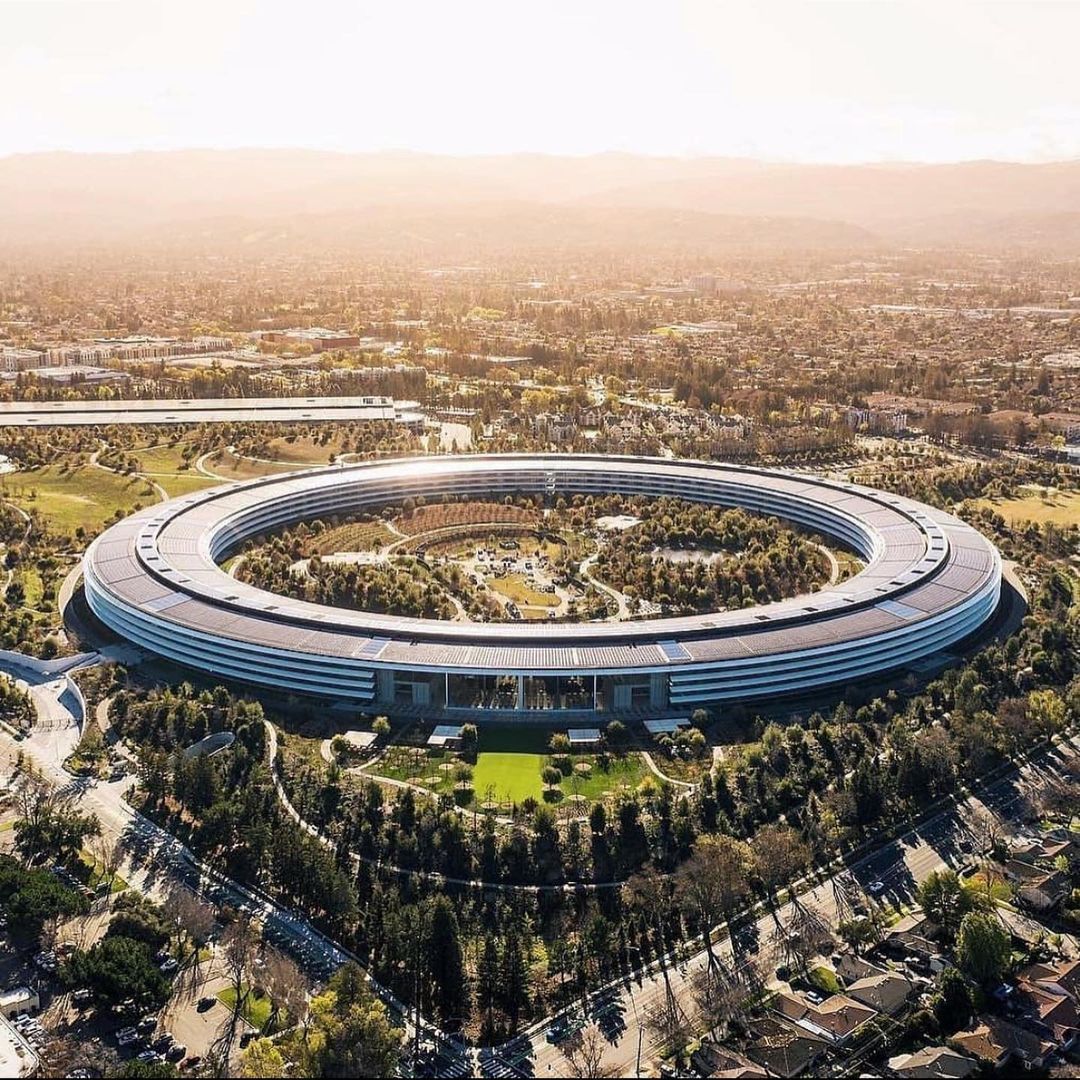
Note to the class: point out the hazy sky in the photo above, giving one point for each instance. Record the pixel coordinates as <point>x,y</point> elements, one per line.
<point>812,80</point>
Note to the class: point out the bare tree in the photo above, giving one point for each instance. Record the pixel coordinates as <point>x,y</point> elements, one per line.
<point>189,918</point>
<point>584,1053</point>
<point>802,935</point>
<point>108,852</point>
<point>720,993</point>
<point>988,831</point>
<point>286,986</point>
<point>239,948</point>
<point>669,1024</point>
<point>713,881</point>
<point>50,933</point>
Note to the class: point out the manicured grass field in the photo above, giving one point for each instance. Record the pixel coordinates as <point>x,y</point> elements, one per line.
<point>510,760</point>
<point>1040,505</point>
<point>166,466</point>
<point>256,1010</point>
<point>508,776</point>
<point>626,771</point>
<point>84,496</point>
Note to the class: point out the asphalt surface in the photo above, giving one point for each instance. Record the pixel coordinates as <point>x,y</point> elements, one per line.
<point>156,860</point>
<point>899,866</point>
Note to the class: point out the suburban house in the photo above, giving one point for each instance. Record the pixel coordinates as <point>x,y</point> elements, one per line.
<point>835,1019</point>
<point>782,1050</point>
<point>1040,889</point>
<point>886,992</point>
<point>933,1062</point>
<point>712,1059</point>
<point>999,1042</point>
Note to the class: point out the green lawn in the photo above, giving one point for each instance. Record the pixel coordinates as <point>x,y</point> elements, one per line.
<point>628,770</point>
<point>165,459</point>
<point>256,1010</point>
<point>508,776</point>
<point>508,767</point>
<point>84,496</point>
<point>94,875</point>
<point>1040,505</point>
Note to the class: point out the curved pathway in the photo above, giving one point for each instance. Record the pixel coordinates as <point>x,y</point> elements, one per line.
<point>162,494</point>
<point>688,788</point>
<point>10,572</point>
<point>401,871</point>
<point>623,608</point>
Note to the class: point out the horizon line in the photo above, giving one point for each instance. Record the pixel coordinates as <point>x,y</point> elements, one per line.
<point>405,152</point>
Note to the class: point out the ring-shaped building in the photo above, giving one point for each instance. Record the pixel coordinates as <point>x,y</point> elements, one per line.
<point>929,581</point>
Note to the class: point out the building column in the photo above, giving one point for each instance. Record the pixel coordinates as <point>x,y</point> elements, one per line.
<point>521,693</point>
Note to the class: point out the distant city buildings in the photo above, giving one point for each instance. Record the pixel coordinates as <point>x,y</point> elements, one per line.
<point>319,338</point>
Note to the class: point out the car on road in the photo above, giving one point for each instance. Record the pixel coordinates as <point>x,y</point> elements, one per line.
<point>205,1003</point>
<point>876,888</point>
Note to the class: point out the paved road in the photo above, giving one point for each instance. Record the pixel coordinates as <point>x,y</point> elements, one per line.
<point>899,865</point>
<point>156,860</point>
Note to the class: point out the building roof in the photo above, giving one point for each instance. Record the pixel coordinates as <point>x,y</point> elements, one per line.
<point>196,411</point>
<point>834,1018</point>
<point>886,992</point>
<point>934,1062</point>
<point>923,566</point>
<point>17,1058</point>
<point>996,1040</point>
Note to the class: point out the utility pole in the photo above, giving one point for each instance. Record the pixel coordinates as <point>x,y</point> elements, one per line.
<point>640,1036</point>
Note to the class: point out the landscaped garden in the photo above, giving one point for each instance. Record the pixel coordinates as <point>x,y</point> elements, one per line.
<point>510,765</point>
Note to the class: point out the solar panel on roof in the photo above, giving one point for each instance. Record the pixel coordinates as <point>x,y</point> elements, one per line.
<point>674,650</point>
<point>901,611</point>
<point>373,648</point>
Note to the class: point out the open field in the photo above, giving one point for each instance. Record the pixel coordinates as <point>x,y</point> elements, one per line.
<point>68,499</point>
<point>305,450</point>
<point>1040,505</point>
<point>167,466</point>
<point>165,459</point>
<point>183,483</point>
<point>515,587</point>
<point>237,468</point>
